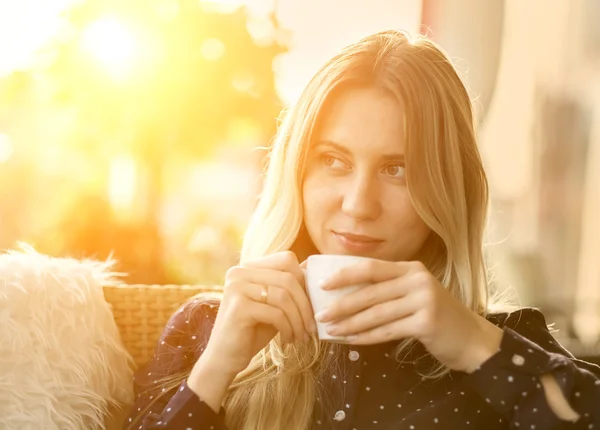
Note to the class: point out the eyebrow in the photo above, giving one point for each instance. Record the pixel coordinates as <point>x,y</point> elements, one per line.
<point>341,148</point>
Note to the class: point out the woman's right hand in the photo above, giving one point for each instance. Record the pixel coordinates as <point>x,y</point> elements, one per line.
<point>245,324</point>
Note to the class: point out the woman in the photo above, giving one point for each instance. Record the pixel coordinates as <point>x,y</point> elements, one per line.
<point>378,158</point>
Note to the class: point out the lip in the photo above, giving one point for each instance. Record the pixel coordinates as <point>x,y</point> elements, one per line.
<point>357,237</point>
<point>357,242</point>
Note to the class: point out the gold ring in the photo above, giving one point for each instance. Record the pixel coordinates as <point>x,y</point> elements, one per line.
<point>264,293</point>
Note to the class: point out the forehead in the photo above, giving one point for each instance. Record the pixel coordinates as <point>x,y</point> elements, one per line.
<point>363,119</point>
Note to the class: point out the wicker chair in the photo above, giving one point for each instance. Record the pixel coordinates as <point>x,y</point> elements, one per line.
<point>142,311</point>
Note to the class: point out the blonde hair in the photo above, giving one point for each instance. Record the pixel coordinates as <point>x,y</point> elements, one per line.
<point>448,188</point>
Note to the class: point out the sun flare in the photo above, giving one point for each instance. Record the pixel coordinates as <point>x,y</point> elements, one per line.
<point>112,44</point>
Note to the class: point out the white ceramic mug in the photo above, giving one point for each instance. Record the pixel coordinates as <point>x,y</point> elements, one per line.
<point>318,268</point>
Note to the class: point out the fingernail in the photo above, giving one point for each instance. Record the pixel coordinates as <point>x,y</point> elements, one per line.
<point>332,329</point>
<point>323,284</point>
<point>321,316</point>
<point>351,338</point>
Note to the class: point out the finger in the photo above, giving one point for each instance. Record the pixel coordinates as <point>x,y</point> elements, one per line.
<point>283,261</point>
<point>304,264</point>
<point>281,298</point>
<point>365,298</point>
<point>370,271</point>
<point>252,294</point>
<point>287,261</point>
<point>252,286</point>
<point>376,316</point>
<point>283,280</point>
<point>395,330</point>
<point>261,313</point>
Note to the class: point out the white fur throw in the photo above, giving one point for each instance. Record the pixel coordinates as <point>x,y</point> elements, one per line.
<point>62,364</point>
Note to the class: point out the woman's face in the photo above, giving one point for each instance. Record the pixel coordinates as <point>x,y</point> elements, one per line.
<point>356,201</point>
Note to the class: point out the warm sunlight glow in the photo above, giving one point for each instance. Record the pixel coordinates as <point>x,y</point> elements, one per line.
<point>167,10</point>
<point>112,44</point>
<point>122,184</point>
<point>212,49</point>
<point>26,26</point>
<point>221,6</point>
<point>6,147</point>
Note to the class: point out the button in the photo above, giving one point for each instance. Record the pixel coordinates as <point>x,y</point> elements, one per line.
<point>339,416</point>
<point>353,355</point>
<point>518,360</point>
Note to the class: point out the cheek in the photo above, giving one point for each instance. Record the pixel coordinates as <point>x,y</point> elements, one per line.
<point>315,194</point>
<point>311,199</point>
<point>405,217</point>
<point>320,205</point>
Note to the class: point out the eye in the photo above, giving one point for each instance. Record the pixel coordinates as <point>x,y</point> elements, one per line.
<point>395,170</point>
<point>333,162</point>
<point>329,161</point>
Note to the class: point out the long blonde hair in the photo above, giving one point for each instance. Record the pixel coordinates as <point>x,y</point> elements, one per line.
<point>448,188</point>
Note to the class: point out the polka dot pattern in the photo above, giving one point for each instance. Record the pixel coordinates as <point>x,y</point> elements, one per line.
<point>371,390</point>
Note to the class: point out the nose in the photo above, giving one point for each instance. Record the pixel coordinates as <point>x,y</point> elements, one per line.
<point>361,198</point>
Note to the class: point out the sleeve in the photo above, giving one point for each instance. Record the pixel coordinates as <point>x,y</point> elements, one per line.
<point>163,399</point>
<point>510,380</point>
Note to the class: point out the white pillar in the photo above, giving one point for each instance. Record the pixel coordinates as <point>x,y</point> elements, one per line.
<point>470,31</point>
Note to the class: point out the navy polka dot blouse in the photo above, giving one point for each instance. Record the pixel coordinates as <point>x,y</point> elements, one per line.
<point>370,390</point>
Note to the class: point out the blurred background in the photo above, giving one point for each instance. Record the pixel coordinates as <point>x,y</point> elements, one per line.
<point>138,129</point>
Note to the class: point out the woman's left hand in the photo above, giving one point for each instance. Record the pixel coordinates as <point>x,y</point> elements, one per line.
<point>403,299</point>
